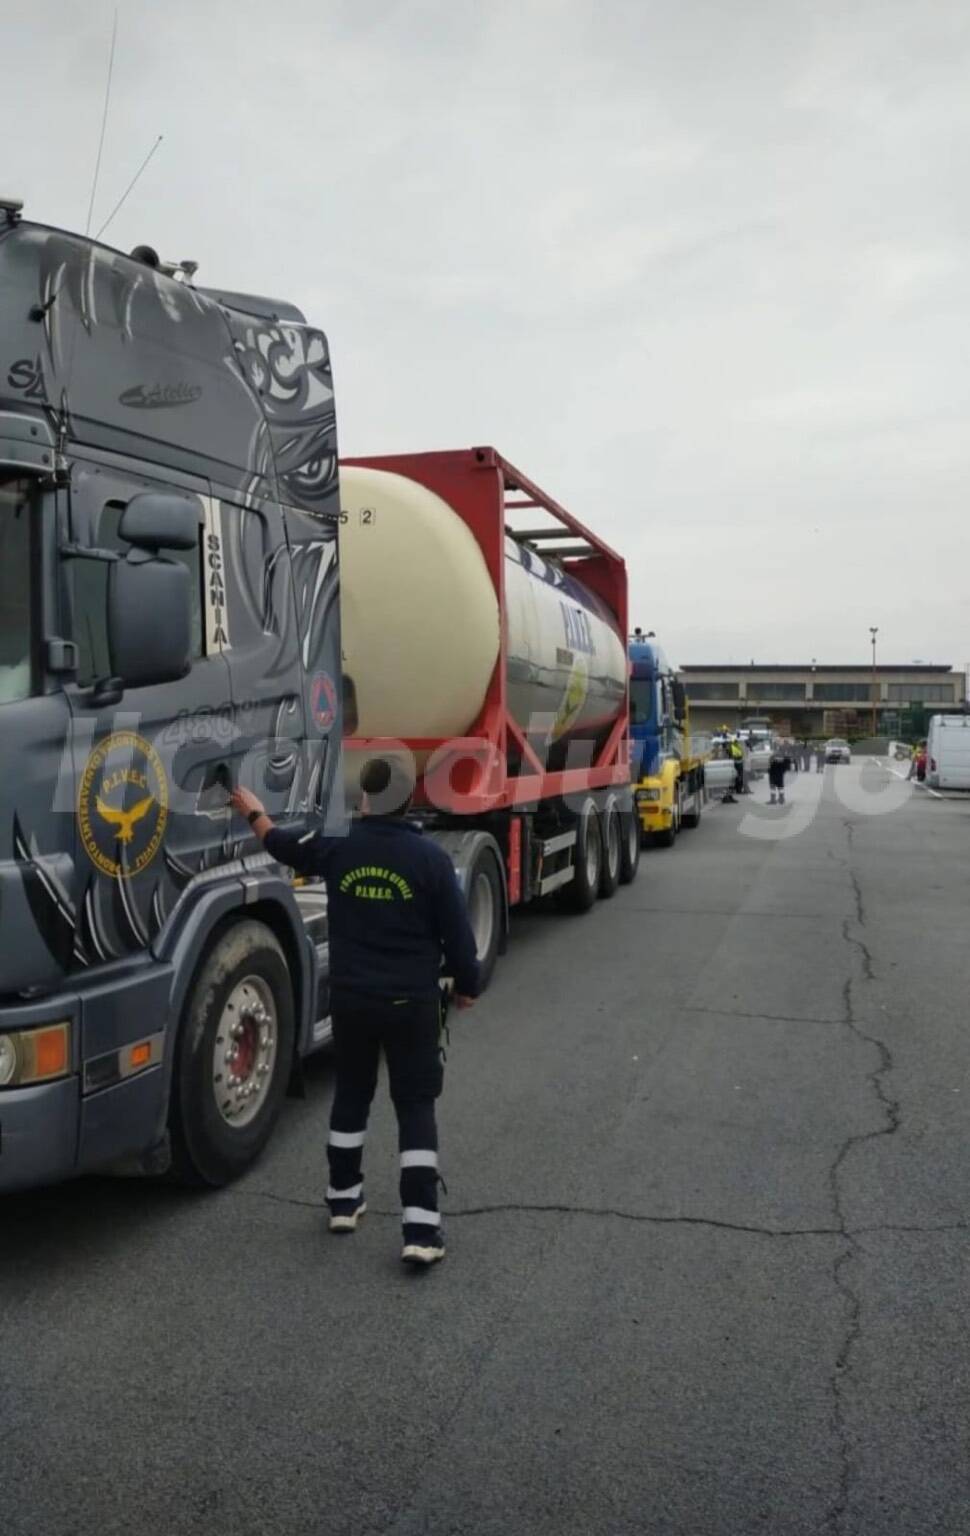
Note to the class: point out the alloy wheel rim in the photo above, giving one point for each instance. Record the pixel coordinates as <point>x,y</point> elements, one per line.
<point>244,1052</point>
<point>481,913</point>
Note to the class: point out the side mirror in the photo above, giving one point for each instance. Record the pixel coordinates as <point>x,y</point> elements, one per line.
<point>680,700</point>
<point>150,617</point>
<point>155,520</point>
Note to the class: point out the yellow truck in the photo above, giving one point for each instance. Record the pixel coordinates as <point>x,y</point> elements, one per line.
<point>668,773</point>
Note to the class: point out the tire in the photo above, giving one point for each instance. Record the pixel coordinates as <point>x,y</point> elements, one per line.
<point>692,818</point>
<point>630,845</point>
<point>485,912</point>
<point>241,1000</point>
<point>582,891</point>
<point>611,837</point>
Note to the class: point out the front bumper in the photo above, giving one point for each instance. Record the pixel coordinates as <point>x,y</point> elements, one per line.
<point>52,1131</point>
<point>38,1133</point>
<point>655,818</point>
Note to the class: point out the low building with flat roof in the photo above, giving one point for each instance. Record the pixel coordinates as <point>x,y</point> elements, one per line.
<point>817,701</point>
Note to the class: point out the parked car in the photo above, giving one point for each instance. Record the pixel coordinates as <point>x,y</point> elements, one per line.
<point>837,751</point>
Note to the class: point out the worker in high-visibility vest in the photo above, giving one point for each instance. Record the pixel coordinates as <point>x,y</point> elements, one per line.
<point>737,753</point>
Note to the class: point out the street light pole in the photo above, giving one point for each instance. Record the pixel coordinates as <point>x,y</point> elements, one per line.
<point>874,630</point>
<point>809,717</point>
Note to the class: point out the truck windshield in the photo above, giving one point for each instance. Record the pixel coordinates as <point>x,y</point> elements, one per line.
<point>15,617</point>
<point>643,695</point>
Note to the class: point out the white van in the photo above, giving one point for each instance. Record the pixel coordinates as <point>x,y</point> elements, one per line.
<point>948,752</point>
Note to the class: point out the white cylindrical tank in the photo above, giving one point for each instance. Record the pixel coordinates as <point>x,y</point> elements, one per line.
<point>421,624</point>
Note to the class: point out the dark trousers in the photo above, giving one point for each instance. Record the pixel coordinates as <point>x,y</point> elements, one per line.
<point>409,1035</point>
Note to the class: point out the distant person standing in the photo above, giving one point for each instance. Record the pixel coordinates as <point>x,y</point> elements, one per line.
<point>737,754</point>
<point>819,757</point>
<point>917,766</point>
<point>779,765</point>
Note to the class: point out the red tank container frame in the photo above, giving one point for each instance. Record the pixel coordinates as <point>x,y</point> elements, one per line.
<point>477,773</point>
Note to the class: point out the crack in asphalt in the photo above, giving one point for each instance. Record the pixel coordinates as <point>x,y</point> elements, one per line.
<point>792,917</point>
<point>553,1208</point>
<point>771,1018</point>
<point>615,1213</point>
<point>854,937</point>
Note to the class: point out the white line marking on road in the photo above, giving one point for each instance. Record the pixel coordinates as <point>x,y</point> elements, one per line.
<point>916,783</point>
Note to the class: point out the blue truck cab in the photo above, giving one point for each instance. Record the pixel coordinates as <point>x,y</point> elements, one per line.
<point>668,777</point>
<point>169,628</point>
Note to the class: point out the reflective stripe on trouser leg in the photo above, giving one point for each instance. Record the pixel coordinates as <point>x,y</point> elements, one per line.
<point>419,1167</point>
<point>353,1193</point>
<point>347,1140</point>
<point>417,1216</point>
<point>345,1150</point>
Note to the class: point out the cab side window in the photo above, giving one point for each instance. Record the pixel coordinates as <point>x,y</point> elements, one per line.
<point>91,597</point>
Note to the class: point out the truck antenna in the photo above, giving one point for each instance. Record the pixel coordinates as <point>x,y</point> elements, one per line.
<point>130,187</point>
<point>104,121</point>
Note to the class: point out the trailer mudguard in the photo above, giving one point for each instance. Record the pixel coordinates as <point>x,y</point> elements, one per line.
<point>463,849</point>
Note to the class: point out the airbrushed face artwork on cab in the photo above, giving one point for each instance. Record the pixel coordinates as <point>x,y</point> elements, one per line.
<point>152,383</point>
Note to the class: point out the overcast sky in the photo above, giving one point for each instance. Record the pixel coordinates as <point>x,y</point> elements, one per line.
<point>699,267</point>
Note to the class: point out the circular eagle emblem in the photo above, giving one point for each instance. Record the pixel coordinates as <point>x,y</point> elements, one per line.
<point>122,805</point>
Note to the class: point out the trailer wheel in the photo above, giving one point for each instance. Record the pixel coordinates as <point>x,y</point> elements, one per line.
<point>611,837</point>
<point>630,844</point>
<point>233,1057</point>
<point>485,913</point>
<point>582,891</point>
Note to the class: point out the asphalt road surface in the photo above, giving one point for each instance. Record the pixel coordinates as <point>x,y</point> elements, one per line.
<point>708,1168</point>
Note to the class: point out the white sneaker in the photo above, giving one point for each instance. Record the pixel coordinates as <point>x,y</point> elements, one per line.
<point>346,1221</point>
<point>423,1253</point>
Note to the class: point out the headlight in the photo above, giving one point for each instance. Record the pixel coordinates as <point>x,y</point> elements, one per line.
<point>647,794</point>
<point>35,1055</point>
<point>8,1060</point>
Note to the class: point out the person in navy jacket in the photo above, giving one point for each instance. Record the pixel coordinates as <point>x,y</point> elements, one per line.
<point>395,910</point>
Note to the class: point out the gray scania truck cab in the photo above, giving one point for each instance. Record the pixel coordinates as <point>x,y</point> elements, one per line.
<point>169,627</point>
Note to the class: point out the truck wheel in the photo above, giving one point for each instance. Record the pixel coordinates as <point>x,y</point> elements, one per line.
<point>692,818</point>
<point>233,1057</point>
<point>611,837</point>
<point>583,889</point>
<point>630,842</point>
<point>485,913</point>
